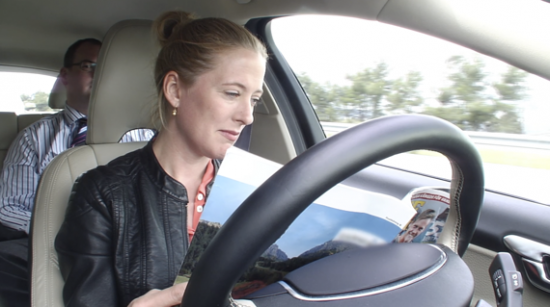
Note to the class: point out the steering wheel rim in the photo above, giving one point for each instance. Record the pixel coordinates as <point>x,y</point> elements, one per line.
<point>266,214</point>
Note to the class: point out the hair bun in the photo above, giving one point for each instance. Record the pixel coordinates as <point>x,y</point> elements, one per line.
<point>169,23</point>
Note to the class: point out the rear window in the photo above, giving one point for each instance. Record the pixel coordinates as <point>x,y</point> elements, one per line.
<point>25,92</point>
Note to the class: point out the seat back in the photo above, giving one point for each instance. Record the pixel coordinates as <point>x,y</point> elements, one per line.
<point>123,92</point>
<point>10,125</point>
<point>8,131</point>
<point>27,119</point>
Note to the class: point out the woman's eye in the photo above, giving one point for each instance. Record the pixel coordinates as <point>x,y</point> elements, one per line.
<point>232,94</point>
<point>255,101</point>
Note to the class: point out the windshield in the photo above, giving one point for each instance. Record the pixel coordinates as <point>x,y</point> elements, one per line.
<point>354,70</point>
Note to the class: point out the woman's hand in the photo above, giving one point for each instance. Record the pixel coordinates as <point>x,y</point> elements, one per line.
<point>161,298</point>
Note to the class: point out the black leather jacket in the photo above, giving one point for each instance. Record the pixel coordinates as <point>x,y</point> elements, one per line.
<point>124,233</point>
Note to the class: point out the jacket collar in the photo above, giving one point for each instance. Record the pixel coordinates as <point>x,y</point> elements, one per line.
<point>160,178</point>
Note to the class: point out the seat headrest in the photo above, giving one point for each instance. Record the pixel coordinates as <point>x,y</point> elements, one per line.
<point>123,90</point>
<point>58,95</point>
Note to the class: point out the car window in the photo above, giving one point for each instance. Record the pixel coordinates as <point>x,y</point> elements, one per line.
<point>354,70</point>
<point>25,92</point>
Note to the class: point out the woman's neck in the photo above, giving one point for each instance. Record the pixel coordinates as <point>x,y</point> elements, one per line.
<point>179,162</point>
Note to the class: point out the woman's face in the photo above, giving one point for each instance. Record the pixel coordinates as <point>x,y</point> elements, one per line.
<point>214,110</point>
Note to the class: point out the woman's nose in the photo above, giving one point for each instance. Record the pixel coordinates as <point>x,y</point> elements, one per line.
<point>245,114</point>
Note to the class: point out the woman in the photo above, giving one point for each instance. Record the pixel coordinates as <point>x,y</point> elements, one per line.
<point>128,224</point>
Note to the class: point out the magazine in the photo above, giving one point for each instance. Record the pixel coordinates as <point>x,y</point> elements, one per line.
<point>342,218</point>
<point>432,206</point>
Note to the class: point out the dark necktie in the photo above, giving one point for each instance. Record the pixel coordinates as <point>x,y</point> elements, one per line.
<point>80,132</point>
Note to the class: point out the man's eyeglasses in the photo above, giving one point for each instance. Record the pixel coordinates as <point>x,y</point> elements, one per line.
<point>85,65</point>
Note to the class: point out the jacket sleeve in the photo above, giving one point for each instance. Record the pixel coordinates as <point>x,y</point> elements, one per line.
<point>84,245</point>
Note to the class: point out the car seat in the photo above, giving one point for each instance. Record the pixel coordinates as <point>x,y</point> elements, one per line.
<point>123,93</point>
<point>58,95</point>
<point>8,131</point>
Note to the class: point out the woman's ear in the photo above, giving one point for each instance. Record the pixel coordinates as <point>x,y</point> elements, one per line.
<point>171,88</point>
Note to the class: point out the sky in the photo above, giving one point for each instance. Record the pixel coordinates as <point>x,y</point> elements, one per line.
<point>333,47</point>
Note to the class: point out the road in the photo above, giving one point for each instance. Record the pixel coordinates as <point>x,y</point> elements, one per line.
<point>525,182</point>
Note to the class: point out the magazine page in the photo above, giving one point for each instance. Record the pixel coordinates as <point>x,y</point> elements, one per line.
<point>341,219</point>
<point>432,209</point>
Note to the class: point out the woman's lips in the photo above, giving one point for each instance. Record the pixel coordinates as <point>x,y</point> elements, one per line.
<point>230,135</point>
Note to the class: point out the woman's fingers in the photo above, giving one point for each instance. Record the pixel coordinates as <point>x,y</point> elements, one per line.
<point>161,298</point>
<point>176,293</point>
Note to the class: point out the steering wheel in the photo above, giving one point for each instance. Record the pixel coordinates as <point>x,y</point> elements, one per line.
<point>265,215</point>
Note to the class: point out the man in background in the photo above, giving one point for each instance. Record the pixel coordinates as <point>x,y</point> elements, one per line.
<point>29,155</point>
<point>34,147</point>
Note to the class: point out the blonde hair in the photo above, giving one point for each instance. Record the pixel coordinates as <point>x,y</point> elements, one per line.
<point>189,46</point>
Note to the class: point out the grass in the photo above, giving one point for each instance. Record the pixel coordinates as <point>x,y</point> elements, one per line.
<point>508,156</point>
<point>181,279</point>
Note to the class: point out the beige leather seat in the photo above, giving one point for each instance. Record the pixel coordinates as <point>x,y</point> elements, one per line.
<point>8,131</point>
<point>58,95</point>
<point>123,93</point>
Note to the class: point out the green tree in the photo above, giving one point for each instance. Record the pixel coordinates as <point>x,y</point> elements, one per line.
<point>36,102</point>
<point>404,95</point>
<point>510,90</point>
<point>506,119</point>
<point>334,112</point>
<point>368,91</point>
<point>468,102</point>
<point>321,97</point>
<point>468,82</point>
<point>511,87</point>
<point>462,103</point>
